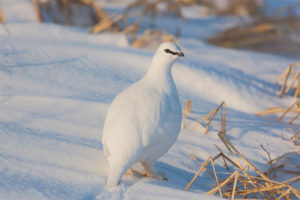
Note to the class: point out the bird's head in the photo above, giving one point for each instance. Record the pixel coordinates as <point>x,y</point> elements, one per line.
<point>169,52</point>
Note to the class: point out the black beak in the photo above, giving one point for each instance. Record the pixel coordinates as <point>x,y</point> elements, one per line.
<point>180,54</point>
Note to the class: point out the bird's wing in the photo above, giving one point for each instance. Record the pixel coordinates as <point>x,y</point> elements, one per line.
<point>164,116</point>
<point>122,115</point>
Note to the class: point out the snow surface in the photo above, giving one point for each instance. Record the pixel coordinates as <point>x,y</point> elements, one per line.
<point>57,82</point>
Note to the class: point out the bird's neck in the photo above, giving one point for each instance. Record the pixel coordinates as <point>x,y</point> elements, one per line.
<point>160,71</point>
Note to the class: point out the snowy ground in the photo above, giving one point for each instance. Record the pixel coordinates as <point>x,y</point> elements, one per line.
<point>56,84</point>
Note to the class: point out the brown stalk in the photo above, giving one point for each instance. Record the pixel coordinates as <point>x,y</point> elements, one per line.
<point>283,194</point>
<point>106,23</point>
<point>213,116</point>
<point>270,161</point>
<point>263,189</point>
<point>225,164</point>
<point>294,137</point>
<point>2,20</point>
<point>214,190</point>
<point>286,78</point>
<point>205,118</point>
<point>281,76</point>
<point>284,183</point>
<point>224,118</point>
<point>234,186</point>
<point>209,173</point>
<point>297,90</point>
<point>231,161</point>
<point>292,82</point>
<point>188,107</point>
<point>294,118</point>
<point>1,15</point>
<point>197,174</point>
<point>187,110</point>
<point>288,110</point>
<point>226,141</point>
<point>37,8</point>
<point>276,110</point>
<point>213,166</point>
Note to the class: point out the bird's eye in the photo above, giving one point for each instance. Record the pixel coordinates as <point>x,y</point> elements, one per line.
<point>169,51</point>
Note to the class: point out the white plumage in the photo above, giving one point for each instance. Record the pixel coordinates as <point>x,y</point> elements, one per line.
<point>144,120</point>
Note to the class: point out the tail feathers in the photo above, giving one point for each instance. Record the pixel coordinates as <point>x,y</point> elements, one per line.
<point>114,176</point>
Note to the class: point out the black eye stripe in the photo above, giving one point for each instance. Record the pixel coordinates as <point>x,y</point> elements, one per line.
<point>171,52</point>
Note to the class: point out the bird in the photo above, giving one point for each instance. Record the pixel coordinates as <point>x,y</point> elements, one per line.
<point>144,120</point>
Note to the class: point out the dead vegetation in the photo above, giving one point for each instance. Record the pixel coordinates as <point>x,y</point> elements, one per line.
<point>2,21</point>
<point>156,8</point>
<point>272,35</point>
<point>291,82</point>
<point>239,182</point>
<point>295,138</point>
<point>152,39</point>
<point>69,12</point>
<point>90,13</point>
<point>1,15</point>
<point>232,7</point>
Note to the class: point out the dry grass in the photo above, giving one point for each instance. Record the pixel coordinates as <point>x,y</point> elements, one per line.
<point>152,8</point>
<point>1,15</point>
<point>69,12</point>
<point>187,110</point>
<point>188,107</point>
<point>65,12</point>
<point>2,21</point>
<point>37,8</point>
<point>291,81</point>
<point>232,7</point>
<point>210,117</point>
<point>241,184</point>
<point>272,35</point>
<point>295,138</point>
<point>152,38</point>
<point>292,73</point>
<point>102,21</point>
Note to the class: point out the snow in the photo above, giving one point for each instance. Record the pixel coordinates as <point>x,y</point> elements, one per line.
<point>57,82</point>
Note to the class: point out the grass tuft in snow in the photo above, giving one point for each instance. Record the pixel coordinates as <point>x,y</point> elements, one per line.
<point>240,182</point>
<point>288,73</point>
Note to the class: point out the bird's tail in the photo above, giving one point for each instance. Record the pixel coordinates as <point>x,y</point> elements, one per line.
<point>114,176</point>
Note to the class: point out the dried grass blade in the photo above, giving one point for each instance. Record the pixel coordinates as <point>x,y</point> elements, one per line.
<point>271,111</point>
<point>286,78</point>
<point>264,189</point>
<point>282,75</point>
<point>225,140</point>
<point>231,161</point>
<point>288,110</point>
<point>213,116</point>
<point>292,82</point>
<point>218,184</point>
<point>1,15</point>
<point>283,194</point>
<point>205,118</point>
<point>215,189</point>
<point>292,120</point>
<point>234,186</point>
<point>197,174</point>
<point>188,107</point>
<point>297,90</point>
<point>224,118</point>
<point>225,163</point>
<point>37,8</point>
<point>294,137</point>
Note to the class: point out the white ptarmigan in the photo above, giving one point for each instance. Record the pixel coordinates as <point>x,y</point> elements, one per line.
<point>144,120</point>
